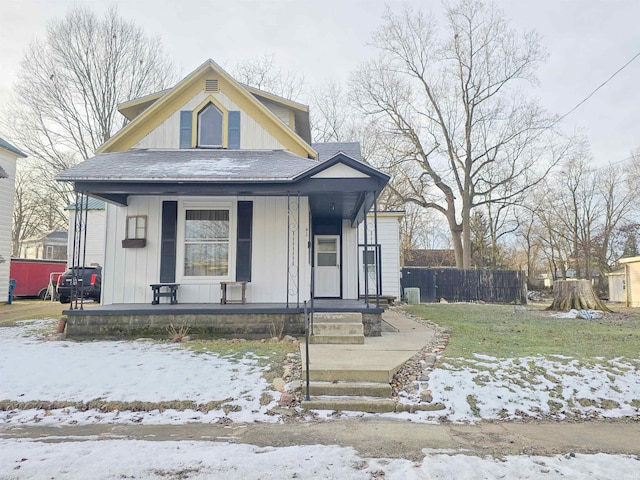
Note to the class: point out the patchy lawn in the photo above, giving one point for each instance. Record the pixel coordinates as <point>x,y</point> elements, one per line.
<point>500,331</point>
<point>503,364</point>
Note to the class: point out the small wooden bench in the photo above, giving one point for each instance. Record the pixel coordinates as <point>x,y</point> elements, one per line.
<point>223,292</point>
<point>172,292</point>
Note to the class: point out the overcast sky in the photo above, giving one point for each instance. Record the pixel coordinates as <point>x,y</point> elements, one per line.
<point>587,41</point>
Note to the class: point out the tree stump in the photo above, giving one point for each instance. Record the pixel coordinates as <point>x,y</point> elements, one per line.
<point>576,294</point>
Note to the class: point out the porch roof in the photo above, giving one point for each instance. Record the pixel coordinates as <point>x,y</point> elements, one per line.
<point>346,191</point>
<point>191,165</point>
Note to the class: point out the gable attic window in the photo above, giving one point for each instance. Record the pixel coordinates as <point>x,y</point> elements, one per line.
<point>210,127</point>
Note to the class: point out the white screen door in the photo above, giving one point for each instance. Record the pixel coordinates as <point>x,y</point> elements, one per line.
<point>327,269</point>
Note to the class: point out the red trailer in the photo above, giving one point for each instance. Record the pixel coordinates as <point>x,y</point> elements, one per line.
<point>32,276</point>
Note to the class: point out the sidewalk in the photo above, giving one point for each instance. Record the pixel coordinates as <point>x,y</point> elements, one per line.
<point>375,437</point>
<point>379,358</point>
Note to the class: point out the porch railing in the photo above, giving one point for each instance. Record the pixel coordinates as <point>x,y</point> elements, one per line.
<point>306,345</point>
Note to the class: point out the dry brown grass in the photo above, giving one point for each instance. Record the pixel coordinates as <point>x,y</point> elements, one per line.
<point>32,310</point>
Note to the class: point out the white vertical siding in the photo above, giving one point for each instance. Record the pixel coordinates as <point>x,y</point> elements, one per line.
<point>7,193</point>
<point>129,272</point>
<point>252,134</point>
<point>633,284</point>
<point>269,254</point>
<point>349,261</point>
<point>96,234</point>
<point>389,240</point>
<point>279,110</point>
<point>617,287</point>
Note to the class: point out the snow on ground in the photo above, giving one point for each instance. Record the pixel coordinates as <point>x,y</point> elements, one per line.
<point>491,388</point>
<point>107,459</point>
<point>32,369</point>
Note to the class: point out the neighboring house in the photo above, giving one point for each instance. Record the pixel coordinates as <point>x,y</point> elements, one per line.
<point>632,281</point>
<point>617,286</point>
<point>387,274</point>
<point>213,182</point>
<point>8,156</point>
<point>52,246</point>
<point>96,222</point>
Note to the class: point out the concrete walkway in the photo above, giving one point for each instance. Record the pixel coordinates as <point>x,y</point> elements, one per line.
<point>375,361</point>
<point>374,437</point>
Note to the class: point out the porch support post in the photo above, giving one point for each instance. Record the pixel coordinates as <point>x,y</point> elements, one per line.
<point>288,243</point>
<point>83,257</point>
<point>365,262</point>
<point>79,248</point>
<point>376,256</point>
<point>298,259</point>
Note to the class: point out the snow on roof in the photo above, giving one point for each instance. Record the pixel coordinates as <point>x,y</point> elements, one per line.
<point>195,165</point>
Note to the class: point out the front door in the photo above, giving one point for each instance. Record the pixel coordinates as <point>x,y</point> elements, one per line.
<point>327,266</point>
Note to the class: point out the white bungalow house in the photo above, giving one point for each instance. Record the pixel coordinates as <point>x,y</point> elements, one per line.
<point>8,156</point>
<point>212,183</point>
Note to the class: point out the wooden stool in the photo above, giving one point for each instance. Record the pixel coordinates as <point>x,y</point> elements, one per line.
<point>223,292</point>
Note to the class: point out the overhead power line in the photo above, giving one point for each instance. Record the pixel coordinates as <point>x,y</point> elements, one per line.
<point>599,87</point>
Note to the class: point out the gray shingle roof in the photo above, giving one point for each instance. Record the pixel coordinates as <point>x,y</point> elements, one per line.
<point>7,146</point>
<point>3,174</point>
<point>329,149</point>
<point>194,165</point>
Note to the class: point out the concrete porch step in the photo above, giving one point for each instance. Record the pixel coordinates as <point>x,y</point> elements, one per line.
<point>345,339</point>
<point>339,317</point>
<point>355,389</point>
<point>337,328</point>
<point>352,404</point>
<point>348,375</point>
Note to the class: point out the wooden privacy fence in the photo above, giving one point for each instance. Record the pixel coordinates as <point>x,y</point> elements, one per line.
<point>457,285</point>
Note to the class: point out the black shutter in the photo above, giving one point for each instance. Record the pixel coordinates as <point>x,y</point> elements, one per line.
<point>243,256</point>
<point>168,245</point>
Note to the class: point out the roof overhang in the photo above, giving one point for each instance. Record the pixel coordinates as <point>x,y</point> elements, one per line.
<point>339,187</point>
<point>629,260</point>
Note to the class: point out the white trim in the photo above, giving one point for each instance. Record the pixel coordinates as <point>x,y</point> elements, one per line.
<point>206,204</point>
<point>340,170</point>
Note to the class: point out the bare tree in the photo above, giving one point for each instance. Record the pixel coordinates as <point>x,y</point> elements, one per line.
<point>27,211</point>
<point>265,74</point>
<point>465,131</point>
<point>69,86</point>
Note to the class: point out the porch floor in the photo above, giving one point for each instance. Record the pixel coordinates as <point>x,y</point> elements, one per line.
<point>320,305</point>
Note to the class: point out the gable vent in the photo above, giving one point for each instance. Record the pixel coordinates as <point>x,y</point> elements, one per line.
<point>211,85</point>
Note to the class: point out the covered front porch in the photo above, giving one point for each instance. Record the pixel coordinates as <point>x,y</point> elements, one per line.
<point>250,320</point>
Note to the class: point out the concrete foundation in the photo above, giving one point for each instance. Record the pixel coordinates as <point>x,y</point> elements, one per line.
<point>91,324</point>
